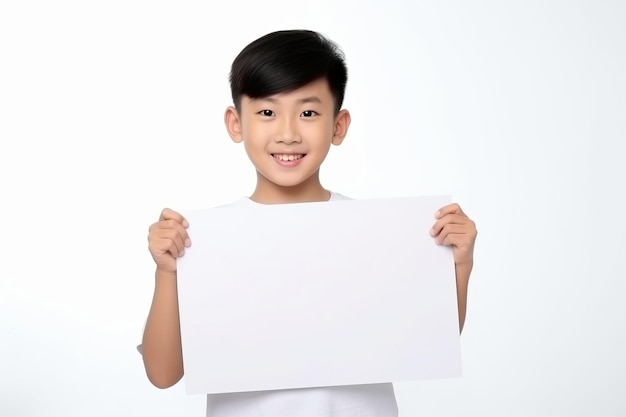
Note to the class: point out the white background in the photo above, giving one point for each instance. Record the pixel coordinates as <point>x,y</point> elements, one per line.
<point>110,111</point>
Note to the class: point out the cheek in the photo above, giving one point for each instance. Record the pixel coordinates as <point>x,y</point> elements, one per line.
<point>251,132</point>
<point>321,131</point>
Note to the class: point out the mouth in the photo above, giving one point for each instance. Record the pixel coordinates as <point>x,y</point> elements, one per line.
<point>287,157</point>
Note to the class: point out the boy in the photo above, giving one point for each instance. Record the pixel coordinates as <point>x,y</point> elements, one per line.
<point>287,89</point>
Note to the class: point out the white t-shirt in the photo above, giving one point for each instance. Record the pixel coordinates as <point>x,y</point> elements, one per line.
<point>371,400</point>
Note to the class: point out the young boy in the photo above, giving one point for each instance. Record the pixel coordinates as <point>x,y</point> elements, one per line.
<point>287,88</point>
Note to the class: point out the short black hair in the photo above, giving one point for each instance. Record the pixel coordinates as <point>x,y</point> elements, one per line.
<point>285,60</point>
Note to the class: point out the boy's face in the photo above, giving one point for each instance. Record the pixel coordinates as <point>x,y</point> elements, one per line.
<point>287,136</point>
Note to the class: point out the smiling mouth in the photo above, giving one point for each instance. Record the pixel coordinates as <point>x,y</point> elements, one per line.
<point>288,157</point>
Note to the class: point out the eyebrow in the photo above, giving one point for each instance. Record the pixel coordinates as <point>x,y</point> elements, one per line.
<point>311,99</point>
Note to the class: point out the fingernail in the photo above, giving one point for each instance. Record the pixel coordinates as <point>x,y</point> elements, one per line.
<point>185,223</point>
<point>181,253</point>
<point>187,242</point>
<point>438,213</point>
<point>432,232</point>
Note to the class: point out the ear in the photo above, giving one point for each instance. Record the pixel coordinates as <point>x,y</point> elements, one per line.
<point>233,124</point>
<point>342,123</point>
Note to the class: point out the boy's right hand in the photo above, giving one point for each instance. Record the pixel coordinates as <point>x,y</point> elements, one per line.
<point>167,240</point>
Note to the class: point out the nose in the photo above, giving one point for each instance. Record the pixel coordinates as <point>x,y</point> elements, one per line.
<point>288,132</point>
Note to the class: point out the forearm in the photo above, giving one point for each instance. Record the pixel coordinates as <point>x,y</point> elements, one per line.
<point>462,280</point>
<point>162,352</point>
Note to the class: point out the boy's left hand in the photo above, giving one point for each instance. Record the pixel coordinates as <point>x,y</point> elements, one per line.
<point>454,228</point>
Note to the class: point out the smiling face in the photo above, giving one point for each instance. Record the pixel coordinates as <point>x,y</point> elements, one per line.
<point>287,137</point>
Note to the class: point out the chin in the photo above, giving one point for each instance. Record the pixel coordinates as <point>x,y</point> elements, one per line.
<point>286,182</point>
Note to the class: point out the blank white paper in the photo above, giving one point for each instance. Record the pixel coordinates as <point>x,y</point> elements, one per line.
<point>316,294</point>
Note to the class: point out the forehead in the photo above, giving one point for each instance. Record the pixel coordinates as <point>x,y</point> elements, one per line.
<point>316,91</point>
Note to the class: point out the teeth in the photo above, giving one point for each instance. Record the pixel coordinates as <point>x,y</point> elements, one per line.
<point>284,157</point>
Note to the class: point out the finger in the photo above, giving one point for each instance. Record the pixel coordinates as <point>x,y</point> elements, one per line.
<point>172,224</point>
<point>182,231</point>
<point>459,240</point>
<point>453,208</point>
<point>168,245</point>
<point>450,229</point>
<point>450,219</point>
<point>169,214</point>
<point>160,246</point>
<point>178,243</point>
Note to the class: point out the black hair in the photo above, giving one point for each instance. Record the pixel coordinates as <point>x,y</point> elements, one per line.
<point>286,60</point>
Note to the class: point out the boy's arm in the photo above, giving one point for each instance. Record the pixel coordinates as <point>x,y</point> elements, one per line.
<point>462,279</point>
<point>455,229</point>
<point>161,346</point>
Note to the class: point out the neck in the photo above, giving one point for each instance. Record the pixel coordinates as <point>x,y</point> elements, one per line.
<point>310,190</point>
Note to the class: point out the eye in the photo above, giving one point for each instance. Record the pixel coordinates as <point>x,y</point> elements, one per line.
<point>266,113</point>
<point>308,113</point>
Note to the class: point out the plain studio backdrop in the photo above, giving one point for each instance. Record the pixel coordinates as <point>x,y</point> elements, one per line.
<point>110,111</point>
